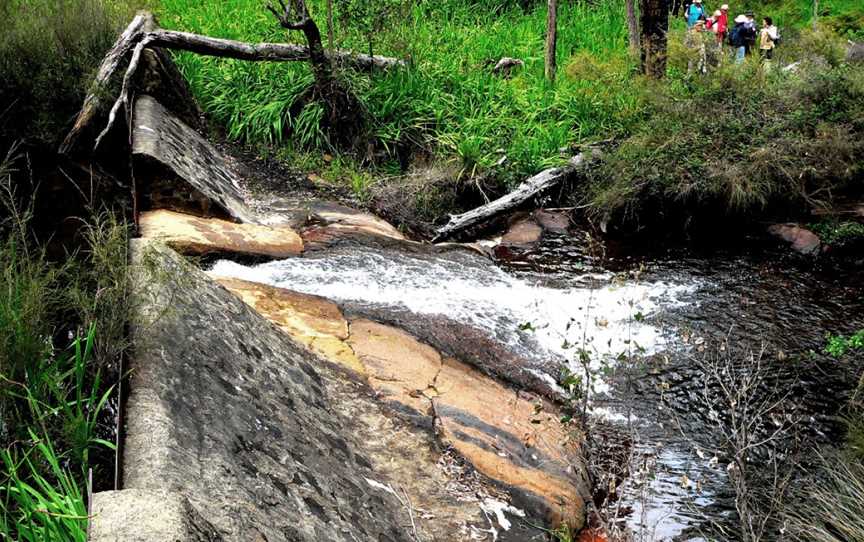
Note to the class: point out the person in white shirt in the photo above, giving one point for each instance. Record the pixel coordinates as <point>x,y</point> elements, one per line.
<point>767,39</point>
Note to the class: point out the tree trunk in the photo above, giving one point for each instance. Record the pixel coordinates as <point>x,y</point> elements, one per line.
<point>632,27</point>
<point>551,38</point>
<point>330,25</point>
<point>654,22</point>
<point>815,15</point>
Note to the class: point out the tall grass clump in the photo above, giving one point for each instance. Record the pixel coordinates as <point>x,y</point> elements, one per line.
<point>49,50</point>
<point>57,374</point>
<point>447,104</point>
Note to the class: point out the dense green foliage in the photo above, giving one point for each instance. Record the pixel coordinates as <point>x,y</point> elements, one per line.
<point>742,139</point>
<point>838,232</point>
<point>49,50</point>
<point>52,427</point>
<point>839,345</point>
<point>448,103</point>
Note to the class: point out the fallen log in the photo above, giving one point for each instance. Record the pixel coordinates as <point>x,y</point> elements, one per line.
<point>142,22</point>
<point>529,188</point>
<point>141,33</point>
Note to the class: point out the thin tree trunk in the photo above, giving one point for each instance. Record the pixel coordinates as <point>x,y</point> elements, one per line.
<point>330,25</point>
<point>815,14</point>
<point>632,27</point>
<point>551,38</point>
<point>654,23</point>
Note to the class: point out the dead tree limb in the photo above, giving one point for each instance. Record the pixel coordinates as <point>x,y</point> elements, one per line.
<point>110,63</point>
<point>141,31</point>
<point>529,188</point>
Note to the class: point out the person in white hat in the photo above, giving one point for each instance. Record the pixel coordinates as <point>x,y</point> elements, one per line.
<point>738,37</point>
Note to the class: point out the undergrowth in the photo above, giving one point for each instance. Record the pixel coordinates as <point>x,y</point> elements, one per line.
<point>741,140</point>
<point>49,51</point>
<point>62,334</point>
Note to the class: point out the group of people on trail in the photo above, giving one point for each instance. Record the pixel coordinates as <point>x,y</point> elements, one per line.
<point>742,37</point>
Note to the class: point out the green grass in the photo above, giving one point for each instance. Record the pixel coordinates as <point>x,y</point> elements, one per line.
<point>447,103</point>
<point>49,50</point>
<point>838,232</point>
<point>52,400</point>
<point>40,486</point>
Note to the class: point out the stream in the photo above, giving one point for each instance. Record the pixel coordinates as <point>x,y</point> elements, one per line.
<point>645,321</point>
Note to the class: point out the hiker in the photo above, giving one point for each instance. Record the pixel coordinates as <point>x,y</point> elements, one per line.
<point>695,40</point>
<point>736,38</point>
<point>722,23</point>
<point>750,33</point>
<point>767,39</point>
<point>695,13</point>
<point>715,25</point>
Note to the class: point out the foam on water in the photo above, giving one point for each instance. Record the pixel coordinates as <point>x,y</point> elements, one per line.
<point>514,310</point>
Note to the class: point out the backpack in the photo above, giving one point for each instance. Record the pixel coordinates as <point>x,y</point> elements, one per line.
<point>734,38</point>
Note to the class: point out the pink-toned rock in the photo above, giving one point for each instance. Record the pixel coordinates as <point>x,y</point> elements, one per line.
<point>801,239</point>
<point>522,233</point>
<point>553,221</point>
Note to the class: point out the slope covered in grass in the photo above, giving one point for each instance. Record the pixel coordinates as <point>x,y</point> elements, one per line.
<point>448,102</point>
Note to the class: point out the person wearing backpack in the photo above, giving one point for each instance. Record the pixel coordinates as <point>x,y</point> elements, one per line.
<point>737,38</point>
<point>695,13</point>
<point>768,38</point>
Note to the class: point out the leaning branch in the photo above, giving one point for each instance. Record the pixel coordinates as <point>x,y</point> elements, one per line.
<point>141,31</point>
<point>529,188</point>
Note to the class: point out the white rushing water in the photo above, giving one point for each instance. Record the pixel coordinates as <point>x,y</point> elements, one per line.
<point>598,311</point>
<point>523,314</point>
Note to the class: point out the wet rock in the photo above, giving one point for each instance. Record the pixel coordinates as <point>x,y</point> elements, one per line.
<point>802,240</point>
<point>513,438</point>
<point>133,515</point>
<point>194,235</point>
<point>311,320</point>
<point>227,411</point>
<point>552,221</point>
<point>470,345</point>
<point>523,233</point>
<point>270,442</point>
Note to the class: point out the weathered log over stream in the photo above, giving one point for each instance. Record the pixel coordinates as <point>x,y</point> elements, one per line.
<point>143,33</point>
<point>528,189</point>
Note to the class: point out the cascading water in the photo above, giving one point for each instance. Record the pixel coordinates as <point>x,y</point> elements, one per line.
<point>596,311</point>
<point>565,304</point>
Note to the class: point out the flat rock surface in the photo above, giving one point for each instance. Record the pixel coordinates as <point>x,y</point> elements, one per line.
<point>311,320</point>
<point>269,441</point>
<point>522,233</point>
<point>552,221</point>
<point>194,235</point>
<point>515,439</point>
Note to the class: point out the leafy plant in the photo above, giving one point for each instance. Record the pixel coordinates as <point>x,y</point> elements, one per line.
<point>838,345</point>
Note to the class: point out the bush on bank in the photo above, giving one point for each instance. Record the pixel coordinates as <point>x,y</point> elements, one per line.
<point>741,140</point>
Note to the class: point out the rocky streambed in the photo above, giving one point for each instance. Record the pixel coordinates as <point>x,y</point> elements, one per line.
<point>317,376</point>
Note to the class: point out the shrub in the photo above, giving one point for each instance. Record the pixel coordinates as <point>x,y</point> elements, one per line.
<point>741,139</point>
<point>49,50</point>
